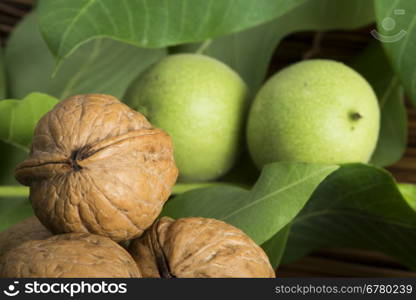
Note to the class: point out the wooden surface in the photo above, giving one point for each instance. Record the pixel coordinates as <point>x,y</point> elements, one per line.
<point>345,263</point>
<point>338,45</point>
<point>11,11</point>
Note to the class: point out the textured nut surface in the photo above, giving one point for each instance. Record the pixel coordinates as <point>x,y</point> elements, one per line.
<point>29,229</point>
<point>200,247</point>
<point>69,255</point>
<point>98,166</point>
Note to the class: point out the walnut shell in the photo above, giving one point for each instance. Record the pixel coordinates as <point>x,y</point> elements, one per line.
<point>68,255</point>
<point>27,230</point>
<point>98,166</point>
<point>196,248</point>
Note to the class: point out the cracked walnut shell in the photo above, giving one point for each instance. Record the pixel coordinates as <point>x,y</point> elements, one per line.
<point>198,248</point>
<point>98,166</point>
<point>68,255</point>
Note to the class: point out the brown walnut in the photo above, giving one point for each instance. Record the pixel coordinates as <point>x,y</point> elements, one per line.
<point>27,230</point>
<point>198,247</point>
<point>98,166</point>
<point>69,255</point>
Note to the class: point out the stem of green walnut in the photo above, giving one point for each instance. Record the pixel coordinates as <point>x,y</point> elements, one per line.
<point>23,191</point>
<point>14,191</point>
<point>203,47</point>
<point>180,188</point>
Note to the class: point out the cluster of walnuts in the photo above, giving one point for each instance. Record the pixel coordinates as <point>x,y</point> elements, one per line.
<point>99,175</point>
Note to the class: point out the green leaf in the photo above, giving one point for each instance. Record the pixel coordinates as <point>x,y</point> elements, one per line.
<point>203,202</point>
<point>99,66</point>
<point>357,206</point>
<point>18,118</point>
<point>13,211</point>
<point>14,206</point>
<point>375,67</point>
<point>397,32</point>
<point>409,193</point>
<point>3,90</point>
<point>275,247</point>
<point>249,52</point>
<point>150,23</point>
<point>10,156</point>
<point>279,194</point>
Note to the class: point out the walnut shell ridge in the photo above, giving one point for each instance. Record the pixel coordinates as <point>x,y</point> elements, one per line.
<point>98,166</point>
<point>28,229</point>
<point>198,248</point>
<point>71,255</point>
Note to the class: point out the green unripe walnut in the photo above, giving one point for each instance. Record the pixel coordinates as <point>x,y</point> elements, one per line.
<point>202,104</point>
<point>317,111</point>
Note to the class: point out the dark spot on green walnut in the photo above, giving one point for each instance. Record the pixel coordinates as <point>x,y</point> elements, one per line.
<point>355,116</point>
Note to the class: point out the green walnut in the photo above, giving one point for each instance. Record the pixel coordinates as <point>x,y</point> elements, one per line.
<point>316,111</point>
<point>202,104</point>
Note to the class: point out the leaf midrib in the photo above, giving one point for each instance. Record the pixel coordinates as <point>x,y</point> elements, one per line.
<point>277,191</point>
<point>71,25</point>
